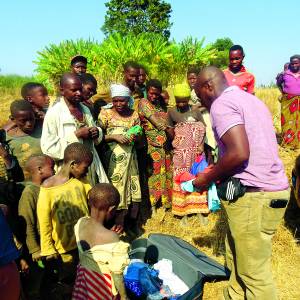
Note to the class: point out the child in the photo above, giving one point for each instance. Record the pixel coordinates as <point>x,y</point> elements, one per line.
<point>37,95</point>
<point>165,97</point>
<point>9,275</point>
<point>62,202</point>
<point>187,129</point>
<point>40,168</point>
<point>24,138</point>
<point>89,89</point>
<point>103,256</point>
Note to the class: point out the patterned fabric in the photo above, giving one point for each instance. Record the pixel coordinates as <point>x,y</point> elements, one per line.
<point>91,285</point>
<point>3,171</point>
<point>188,144</point>
<point>121,160</point>
<point>290,107</point>
<point>159,159</point>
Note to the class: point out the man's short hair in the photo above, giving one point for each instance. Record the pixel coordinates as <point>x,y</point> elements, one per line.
<point>237,48</point>
<point>131,65</point>
<point>78,58</point>
<point>87,78</point>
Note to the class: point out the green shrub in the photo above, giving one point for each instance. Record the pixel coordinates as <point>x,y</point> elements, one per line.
<point>167,61</point>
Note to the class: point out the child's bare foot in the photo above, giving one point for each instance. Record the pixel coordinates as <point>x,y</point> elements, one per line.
<point>203,219</point>
<point>184,221</point>
<point>154,211</point>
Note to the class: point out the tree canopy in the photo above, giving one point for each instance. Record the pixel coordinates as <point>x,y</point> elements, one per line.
<point>137,16</point>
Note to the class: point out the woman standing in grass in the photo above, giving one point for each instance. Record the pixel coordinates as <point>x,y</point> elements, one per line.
<point>289,84</point>
<point>153,114</point>
<point>187,129</point>
<point>121,154</point>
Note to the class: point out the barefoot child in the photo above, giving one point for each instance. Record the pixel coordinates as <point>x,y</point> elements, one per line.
<point>24,138</point>
<point>62,201</point>
<point>40,168</point>
<point>102,256</point>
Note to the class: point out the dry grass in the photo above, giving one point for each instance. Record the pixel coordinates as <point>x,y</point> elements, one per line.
<point>286,254</point>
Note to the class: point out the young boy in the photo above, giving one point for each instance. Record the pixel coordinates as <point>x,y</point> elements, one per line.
<point>62,201</point>
<point>40,168</point>
<point>89,89</point>
<point>37,95</point>
<point>103,256</point>
<point>24,138</point>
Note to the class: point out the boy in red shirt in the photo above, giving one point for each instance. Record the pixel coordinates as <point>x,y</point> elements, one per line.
<point>236,73</point>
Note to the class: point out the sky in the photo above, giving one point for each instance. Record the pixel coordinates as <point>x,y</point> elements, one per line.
<point>268,30</point>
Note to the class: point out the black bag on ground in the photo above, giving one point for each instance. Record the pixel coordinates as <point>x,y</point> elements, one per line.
<point>231,189</point>
<point>189,264</point>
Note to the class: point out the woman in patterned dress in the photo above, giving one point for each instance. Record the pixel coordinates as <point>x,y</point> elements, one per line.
<point>289,85</point>
<point>187,128</point>
<point>152,113</point>
<point>120,154</point>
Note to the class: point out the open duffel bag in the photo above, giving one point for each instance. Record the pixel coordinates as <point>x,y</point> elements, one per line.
<point>189,264</point>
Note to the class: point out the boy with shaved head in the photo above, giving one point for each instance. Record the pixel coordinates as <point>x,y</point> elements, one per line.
<point>40,168</point>
<point>69,121</point>
<point>254,188</point>
<point>62,201</point>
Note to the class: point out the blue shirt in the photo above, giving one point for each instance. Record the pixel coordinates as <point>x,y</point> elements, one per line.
<point>8,249</point>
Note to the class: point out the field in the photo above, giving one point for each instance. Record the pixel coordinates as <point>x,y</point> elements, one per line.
<point>286,253</point>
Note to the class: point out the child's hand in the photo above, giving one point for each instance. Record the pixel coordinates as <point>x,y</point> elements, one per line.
<point>4,209</point>
<point>52,256</point>
<point>40,114</point>
<point>94,132</point>
<point>24,266</point>
<point>118,229</point>
<point>83,132</point>
<point>36,256</point>
<point>3,152</point>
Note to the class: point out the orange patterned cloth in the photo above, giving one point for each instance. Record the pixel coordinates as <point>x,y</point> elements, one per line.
<point>158,158</point>
<point>290,107</point>
<point>188,145</point>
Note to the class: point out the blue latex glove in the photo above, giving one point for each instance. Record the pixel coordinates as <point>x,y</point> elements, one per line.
<point>188,186</point>
<point>214,203</point>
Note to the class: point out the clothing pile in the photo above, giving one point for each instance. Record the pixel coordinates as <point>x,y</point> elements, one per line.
<point>186,179</point>
<point>153,282</point>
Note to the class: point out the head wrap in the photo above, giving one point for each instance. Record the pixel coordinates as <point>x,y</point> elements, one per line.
<point>119,90</point>
<point>182,90</point>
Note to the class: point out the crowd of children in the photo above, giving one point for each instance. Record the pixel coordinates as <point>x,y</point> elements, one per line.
<point>89,166</point>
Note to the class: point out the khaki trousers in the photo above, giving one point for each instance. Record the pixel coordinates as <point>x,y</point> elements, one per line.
<point>252,224</point>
